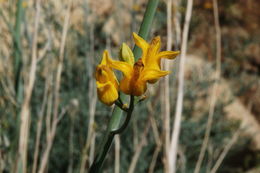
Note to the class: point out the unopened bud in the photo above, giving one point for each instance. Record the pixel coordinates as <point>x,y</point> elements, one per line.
<point>126,54</point>
<point>125,106</point>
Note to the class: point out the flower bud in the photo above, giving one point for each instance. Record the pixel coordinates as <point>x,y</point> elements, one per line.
<point>126,54</point>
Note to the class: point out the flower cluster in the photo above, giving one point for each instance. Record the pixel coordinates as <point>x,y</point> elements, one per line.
<point>136,75</point>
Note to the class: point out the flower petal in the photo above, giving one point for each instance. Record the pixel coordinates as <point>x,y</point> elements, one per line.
<point>133,87</point>
<point>104,58</point>
<point>168,54</point>
<point>107,92</point>
<point>125,85</point>
<point>124,67</point>
<point>140,42</point>
<point>138,88</point>
<point>152,51</point>
<point>101,73</point>
<point>155,45</point>
<point>153,74</point>
<point>154,61</point>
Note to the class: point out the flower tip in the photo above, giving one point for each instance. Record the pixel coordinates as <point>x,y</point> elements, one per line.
<point>157,38</point>
<point>105,52</point>
<point>134,34</point>
<point>124,44</point>
<point>104,58</point>
<point>166,72</point>
<point>177,52</point>
<point>156,41</point>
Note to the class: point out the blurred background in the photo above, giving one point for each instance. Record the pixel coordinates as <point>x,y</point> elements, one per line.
<point>48,102</point>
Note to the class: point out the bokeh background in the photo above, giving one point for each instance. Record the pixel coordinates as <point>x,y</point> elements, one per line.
<point>47,73</point>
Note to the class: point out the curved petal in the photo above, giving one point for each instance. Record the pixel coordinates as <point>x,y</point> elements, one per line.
<point>138,88</point>
<point>168,54</point>
<point>101,73</point>
<point>153,74</point>
<point>140,42</point>
<point>104,73</point>
<point>125,85</point>
<point>107,92</point>
<point>155,60</point>
<point>132,86</point>
<point>152,51</point>
<point>124,67</point>
<point>155,46</point>
<point>104,58</point>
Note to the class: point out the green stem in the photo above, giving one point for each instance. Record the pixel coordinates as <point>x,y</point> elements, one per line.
<point>96,166</point>
<point>146,24</point>
<point>128,117</point>
<point>18,50</point>
<point>117,113</point>
<point>17,53</point>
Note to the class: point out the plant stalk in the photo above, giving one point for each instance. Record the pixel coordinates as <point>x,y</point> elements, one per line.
<point>117,113</point>
<point>18,50</point>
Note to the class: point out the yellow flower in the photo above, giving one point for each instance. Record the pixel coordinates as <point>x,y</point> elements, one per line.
<point>151,55</point>
<point>146,69</point>
<point>136,76</point>
<point>107,84</point>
